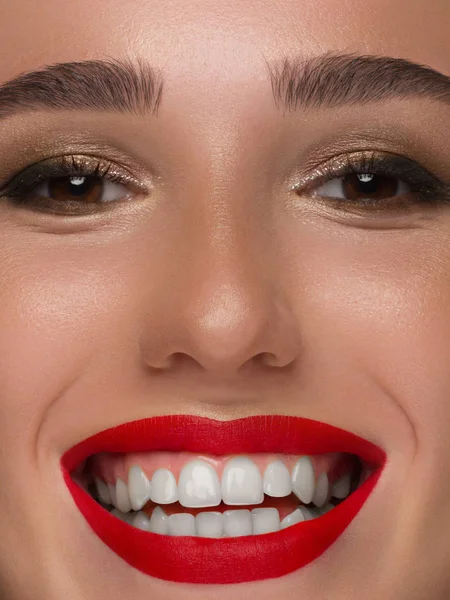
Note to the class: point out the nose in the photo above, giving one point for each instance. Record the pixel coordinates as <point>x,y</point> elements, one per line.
<point>226,311</point>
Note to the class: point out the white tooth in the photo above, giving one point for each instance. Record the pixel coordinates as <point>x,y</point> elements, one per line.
<point>265,520</point>
<point>123,500</point>
<point>321,492</point>
<point>163,487</point>
<point>120,515</point>
<point>324,509</point>
<point>341,488</point>
<point>295,517</point>
<point>102,491</point>
<point>237,523</point>
<point>182,524</point>
<point>241,482</point>
<point>138,487</point>
<point>159,521</point>
<point>303,479</point>
<point>277,480</point>
<point>209,524</point>
<point>307,513</point>
<point>112,493</point>
<point>198,485</point>
<point>141,521</point>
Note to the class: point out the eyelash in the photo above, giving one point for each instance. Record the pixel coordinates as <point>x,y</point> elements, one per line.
<point>17,190</point>
<point>425,188</point>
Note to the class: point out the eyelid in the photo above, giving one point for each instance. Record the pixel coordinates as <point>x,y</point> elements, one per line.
<point>366,161</point>
<point>67,164</point>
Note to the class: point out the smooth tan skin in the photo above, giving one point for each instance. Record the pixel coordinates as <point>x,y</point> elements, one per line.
<point>220,265</point>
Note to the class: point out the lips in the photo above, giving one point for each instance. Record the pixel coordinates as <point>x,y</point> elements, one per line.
<point>225,560</point>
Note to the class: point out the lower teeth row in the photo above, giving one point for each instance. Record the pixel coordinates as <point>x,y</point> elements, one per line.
<point>211,524</point>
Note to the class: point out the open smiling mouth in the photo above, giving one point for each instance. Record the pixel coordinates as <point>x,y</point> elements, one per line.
<point>195,500</point>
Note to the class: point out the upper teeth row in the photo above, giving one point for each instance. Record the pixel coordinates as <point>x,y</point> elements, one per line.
<point>241,484</point>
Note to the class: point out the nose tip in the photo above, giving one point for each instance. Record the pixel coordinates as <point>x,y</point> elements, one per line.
<point>226,331</point>
<point>229,325</point>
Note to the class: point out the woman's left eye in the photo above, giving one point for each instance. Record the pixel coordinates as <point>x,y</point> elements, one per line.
<point>88,189</point>
<point>363,186</point>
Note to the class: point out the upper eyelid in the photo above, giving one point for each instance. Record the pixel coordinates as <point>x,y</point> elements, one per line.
<point>334,166</point>
<point>338,166</point>
<point>61,162</point>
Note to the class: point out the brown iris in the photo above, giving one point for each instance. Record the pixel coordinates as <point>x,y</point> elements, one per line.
<point>359,186</point>
<point>87,189</point>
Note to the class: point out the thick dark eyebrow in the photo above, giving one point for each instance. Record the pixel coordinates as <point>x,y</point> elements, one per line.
<point>99,85</point>
<point>332,80</point>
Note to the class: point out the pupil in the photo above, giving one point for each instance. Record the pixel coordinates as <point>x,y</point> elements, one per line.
<point>368,183</point>
<point>78,186</point>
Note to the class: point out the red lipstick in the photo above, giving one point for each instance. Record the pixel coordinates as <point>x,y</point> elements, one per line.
<point>224,560</point>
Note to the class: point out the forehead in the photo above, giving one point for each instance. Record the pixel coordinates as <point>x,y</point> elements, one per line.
<point>207,44</point>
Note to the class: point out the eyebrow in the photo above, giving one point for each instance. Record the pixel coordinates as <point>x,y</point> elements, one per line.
<point>332,80</point>
<point>100,85</point>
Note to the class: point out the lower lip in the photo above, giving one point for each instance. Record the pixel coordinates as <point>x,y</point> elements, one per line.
<point>226,560</point>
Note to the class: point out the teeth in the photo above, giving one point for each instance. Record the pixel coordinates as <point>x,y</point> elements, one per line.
<point>303,479</point>
<point>163,487</point>
<point>122,516</point>
<point>237,523</point>
<point>295,517</point>
<point>241,482</point>
<point>198,485</point>
<point>265,520</point>
<point>277,480</point>
<point>341,487</point>
<point>123,500</point>
<point>102,491</point>
<point>138,487</point>
<point>324,509</point>
<point>159,521</point>
<point>209,524</point>
<point>181,524</point>
<point>141,521</point>
<point>321,492</point>
<point>307,513</point>
<point>112,494</point>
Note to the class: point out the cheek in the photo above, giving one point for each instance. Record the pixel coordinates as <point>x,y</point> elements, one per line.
<point>381,305</point>
<point>59,310</point>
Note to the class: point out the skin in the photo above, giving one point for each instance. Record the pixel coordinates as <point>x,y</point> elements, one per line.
<point>221,266</point>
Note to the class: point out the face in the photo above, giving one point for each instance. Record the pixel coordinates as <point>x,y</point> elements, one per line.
<point>226,251</point>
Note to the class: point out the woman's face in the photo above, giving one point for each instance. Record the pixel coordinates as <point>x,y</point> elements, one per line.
<point>268,247</point>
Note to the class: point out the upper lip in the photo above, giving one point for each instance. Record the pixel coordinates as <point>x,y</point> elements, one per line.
<point>261,433</point>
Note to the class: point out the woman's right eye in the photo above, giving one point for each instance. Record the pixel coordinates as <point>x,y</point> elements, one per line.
<point>71,185</point>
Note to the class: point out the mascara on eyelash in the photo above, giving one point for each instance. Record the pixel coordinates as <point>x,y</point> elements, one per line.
<point>427,188</point>
<point>63,166</point>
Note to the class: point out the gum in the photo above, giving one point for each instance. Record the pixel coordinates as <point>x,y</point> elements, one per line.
<point>111,466</point>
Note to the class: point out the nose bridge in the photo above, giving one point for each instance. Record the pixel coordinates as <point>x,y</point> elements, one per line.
<point>228,306</point>
<point>229,298</point>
